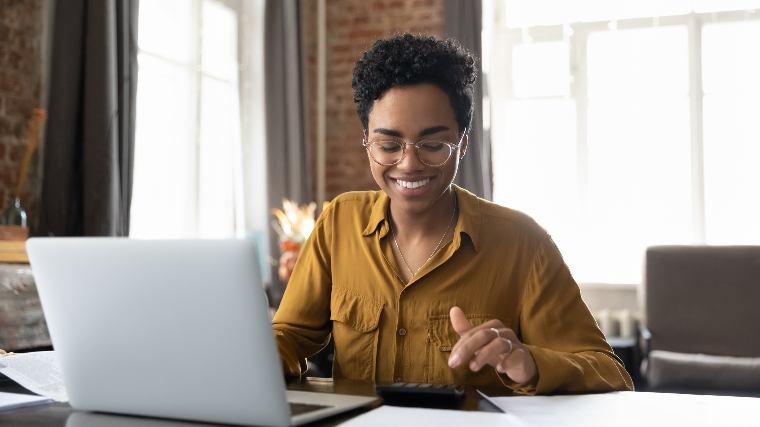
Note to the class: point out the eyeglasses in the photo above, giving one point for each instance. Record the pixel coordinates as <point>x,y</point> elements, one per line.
<point>391,151</point>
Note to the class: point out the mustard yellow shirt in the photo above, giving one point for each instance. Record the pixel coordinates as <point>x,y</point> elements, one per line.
<point>499,265</point>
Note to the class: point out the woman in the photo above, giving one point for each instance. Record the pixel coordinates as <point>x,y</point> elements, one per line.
<point>422,281</point>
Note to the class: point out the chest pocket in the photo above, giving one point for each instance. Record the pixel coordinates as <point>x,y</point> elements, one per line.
<point>355,319</point>
<point>442,338</point>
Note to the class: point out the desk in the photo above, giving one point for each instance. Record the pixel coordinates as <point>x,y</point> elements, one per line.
<point>56,415</point>
<point>627,409</point>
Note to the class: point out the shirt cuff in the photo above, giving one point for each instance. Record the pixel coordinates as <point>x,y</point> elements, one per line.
<point>292,366</point>
<point>517,388</point>
<point>547,364</point>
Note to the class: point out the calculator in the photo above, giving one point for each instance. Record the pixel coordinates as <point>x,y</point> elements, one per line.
<point>420,394</point>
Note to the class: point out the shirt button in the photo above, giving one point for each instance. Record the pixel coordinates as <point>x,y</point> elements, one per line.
<point>402,332</point>
<point>397,380</point>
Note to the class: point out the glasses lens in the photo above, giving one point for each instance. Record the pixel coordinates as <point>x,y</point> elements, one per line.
<point>433,153</point>
<point>390,152</point>
<point>386,152</point>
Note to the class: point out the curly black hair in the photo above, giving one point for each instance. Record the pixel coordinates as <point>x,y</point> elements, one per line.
<point>408,59</point>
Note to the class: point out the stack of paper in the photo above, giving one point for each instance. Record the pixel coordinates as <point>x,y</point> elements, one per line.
<point>10,401</point>
<point>38,372</point>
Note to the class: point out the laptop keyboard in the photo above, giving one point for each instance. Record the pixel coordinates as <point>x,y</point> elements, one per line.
<point>302,408</point>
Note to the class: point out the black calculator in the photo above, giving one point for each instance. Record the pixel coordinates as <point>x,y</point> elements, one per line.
<point>420,394</point>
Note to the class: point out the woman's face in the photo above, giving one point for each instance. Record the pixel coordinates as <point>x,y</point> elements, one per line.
<point>414,113</point>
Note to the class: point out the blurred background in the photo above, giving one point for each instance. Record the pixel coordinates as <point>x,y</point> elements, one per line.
<point>617,124</point>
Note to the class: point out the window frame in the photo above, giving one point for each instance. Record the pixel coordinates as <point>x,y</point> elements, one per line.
<point>194,68</point>
<point>576,35</point>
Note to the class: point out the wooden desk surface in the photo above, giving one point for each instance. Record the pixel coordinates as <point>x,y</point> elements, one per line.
<point>56,415</point>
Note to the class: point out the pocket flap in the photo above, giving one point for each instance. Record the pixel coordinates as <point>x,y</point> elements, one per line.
<point>442,333</point>
<point>359,312</point>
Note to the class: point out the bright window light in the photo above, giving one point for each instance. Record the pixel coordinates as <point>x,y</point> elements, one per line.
<point>731,63</point>
<point>616,138</point>
<point>188,156</point>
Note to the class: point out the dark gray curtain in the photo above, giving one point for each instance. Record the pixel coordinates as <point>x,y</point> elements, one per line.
<point>89,140</point>
<point>463,21</point>
<point>288,164</point>
<point>287,156</point>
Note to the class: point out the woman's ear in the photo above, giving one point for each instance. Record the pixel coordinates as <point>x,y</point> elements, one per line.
<point>463,147</point>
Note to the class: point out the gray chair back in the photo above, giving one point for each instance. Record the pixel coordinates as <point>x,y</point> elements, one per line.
<point>704,299</point>
<point>702,306</point>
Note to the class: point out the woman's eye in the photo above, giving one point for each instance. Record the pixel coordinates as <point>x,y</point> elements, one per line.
<point>389,147</point>
<point>431,145</point>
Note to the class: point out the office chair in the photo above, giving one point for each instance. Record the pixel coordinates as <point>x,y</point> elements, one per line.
<point>702,306</point>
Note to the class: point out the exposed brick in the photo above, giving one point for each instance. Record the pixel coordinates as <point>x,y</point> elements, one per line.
<point>7,178</point>
<point>15,152</point>
<point>20,72</point>
<point>352,27</point>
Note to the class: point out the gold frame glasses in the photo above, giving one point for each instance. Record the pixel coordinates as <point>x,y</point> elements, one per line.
<point>384,151</point>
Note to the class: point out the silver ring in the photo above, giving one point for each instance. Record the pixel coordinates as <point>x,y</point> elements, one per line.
<point>509,341</point>
<point>498,334</point>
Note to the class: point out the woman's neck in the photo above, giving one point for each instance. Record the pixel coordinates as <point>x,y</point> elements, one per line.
<point>416,225</point>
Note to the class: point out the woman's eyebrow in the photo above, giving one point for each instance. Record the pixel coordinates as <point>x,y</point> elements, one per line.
<point>432,130</point>
<point>389,132</point>
<point>424,132</point>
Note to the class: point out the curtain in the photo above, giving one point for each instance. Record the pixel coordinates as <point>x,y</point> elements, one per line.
<point>288,162</point>
<point>463,22</point>
<point>286,152</point>
<point>89,140</point>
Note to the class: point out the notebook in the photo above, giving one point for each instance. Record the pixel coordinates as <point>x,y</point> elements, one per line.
<point>168,328</point>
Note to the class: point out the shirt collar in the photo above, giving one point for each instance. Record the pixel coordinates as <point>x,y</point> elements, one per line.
<point>378,218</point>
<point>470,215</point>
<point>469,221</point>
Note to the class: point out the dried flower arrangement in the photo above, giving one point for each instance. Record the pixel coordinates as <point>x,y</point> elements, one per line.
<point>293,226</point>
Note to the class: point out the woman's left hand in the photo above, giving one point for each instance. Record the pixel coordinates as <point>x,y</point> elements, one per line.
<point>491,343</point>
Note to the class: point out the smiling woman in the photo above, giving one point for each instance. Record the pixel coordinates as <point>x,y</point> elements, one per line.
<point>422,281</point>
<point>418,180</point>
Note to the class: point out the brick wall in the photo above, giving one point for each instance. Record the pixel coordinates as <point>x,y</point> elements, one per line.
<point>308,28</point>
<point>352,26</point>
<point>20,73</point>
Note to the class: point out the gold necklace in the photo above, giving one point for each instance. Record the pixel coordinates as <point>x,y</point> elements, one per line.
<point>437,247</point>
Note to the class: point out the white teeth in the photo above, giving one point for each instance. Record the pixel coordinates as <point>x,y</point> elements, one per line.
<point>412,184</point>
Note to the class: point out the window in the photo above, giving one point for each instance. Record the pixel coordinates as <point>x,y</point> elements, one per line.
<point>188,168</point>
<point>618,125</point>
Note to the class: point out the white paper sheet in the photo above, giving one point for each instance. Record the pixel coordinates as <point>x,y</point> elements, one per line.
<point>385,416</point>
<point>10,401</point>
<point>633,409</point>
<point>38,372</point>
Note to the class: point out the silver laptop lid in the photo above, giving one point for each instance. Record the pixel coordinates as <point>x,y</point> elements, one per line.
<point>173,328</point>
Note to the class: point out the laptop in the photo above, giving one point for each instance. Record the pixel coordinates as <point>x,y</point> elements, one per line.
<point>168,328</point>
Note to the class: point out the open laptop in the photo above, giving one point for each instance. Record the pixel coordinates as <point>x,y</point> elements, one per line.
<point>168,328</point>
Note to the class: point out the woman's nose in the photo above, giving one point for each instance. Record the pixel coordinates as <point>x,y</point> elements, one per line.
<point>411,160</point>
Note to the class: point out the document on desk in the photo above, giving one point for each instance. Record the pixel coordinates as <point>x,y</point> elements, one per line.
<point>10,401</point>
<point>402,416</point>
<point>627,408</point>
<point>37,372</point>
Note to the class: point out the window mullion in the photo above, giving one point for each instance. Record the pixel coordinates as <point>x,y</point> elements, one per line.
<point>696,97</point>
<point>196,123</point>
<point>578,90</point>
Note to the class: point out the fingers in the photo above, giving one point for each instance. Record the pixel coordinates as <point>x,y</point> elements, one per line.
<point>458,320</point>
<point>519,366</point>
<point>475,340</point>
<point>480,334</point>
<point>480,346</point>
<point>492,353</point>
